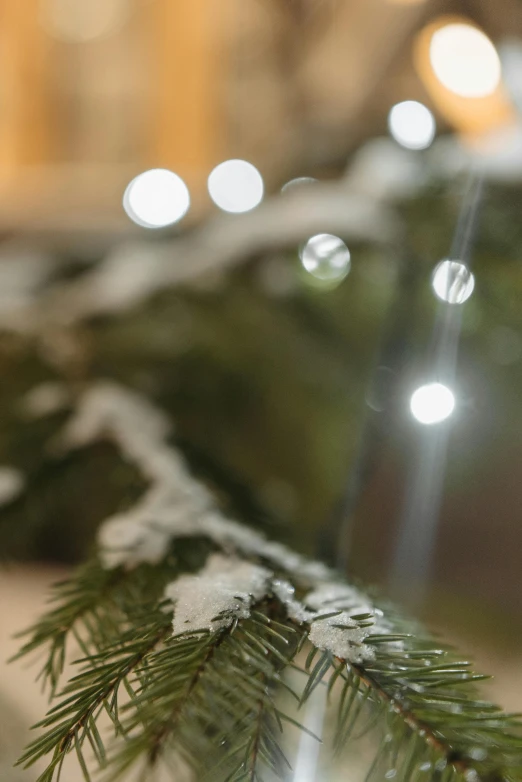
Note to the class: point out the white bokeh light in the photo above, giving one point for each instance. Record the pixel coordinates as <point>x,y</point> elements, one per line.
<point>432,403</point>
<point>156,198</point>
<point>79,21</point>
<point>236,186</point>
<point>412,125</point>
<point>453,282</point>
<point>465,61</point>
<point>326,257</point>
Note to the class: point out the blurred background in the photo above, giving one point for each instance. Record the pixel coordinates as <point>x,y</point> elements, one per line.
<point>144,238</point>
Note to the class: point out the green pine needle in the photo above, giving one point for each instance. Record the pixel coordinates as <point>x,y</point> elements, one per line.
<point>216,699</point>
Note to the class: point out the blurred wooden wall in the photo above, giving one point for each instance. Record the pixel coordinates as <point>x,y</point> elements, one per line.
<point>25,79</point>
<point>292,86</point>
<point>79,118</point>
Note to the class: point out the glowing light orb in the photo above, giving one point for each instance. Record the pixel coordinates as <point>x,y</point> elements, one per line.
<point>412,125</point>
<point>156,198</point>
<point>453,282</point>
<point>465,60</point>
<point>326,257</point>
<point>432,403</point>
<point>298,184</point>
<point>236,186</point>
<point>78,21</point>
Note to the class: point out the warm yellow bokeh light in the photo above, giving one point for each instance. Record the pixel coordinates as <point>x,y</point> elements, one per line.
<point>79,21</point>
<point>464,60</point>
<point>461,71</point>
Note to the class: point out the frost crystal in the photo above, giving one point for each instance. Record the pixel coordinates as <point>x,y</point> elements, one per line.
<point>223,591</point>
<point>284,591</point>
<point>341,636</point>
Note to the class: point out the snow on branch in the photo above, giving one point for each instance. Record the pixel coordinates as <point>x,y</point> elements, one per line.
<point>132,272</point>
<point>176,505</point>
<point>221,592</point>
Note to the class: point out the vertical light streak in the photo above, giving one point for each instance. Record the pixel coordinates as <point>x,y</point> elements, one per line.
<point>413,558</point>
<point>307,759</point>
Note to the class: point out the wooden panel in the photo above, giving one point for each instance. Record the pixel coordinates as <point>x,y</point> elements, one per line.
<point>24,101</point>
<point>186,110</point>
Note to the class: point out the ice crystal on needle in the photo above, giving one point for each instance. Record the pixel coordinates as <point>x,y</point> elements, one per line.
<point>221,592</point>
<point>341,636</point>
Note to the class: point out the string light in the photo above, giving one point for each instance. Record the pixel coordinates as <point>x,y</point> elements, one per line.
<point>432,403</point>
<point>412,124</point>
<point>464,60</point>
<point>453,282</point>
<point>156,198</point>
<point>236,186</point>
<point>79,21</point>
<point>326,257</point>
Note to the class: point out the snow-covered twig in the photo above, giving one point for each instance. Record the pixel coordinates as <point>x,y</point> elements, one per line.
<point>176,505</point>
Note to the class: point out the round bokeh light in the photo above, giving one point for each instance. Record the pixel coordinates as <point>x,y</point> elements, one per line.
<point>452,282</point>
<point>326,257</point>
<point>412,125</point>
<point>236,186</point>
<point>156,198</point>
<point>432,403</point>
<point>465,61</point>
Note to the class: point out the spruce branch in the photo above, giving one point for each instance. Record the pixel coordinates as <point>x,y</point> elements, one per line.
<point>197,619</point>
<point>425,699</point>
<point>95,689</point>
<point>87,599</point>
<point>212,697</point>
<point>216,695</point>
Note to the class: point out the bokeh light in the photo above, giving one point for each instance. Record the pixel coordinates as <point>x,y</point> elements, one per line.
<point>156,198</point>
<point>453,282</point>
<point>326,257</point>
<point>79,21</point>
<point>236,186</point>
<point>432,403</point>
<point>465,61</point>
<point>412,124</point>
